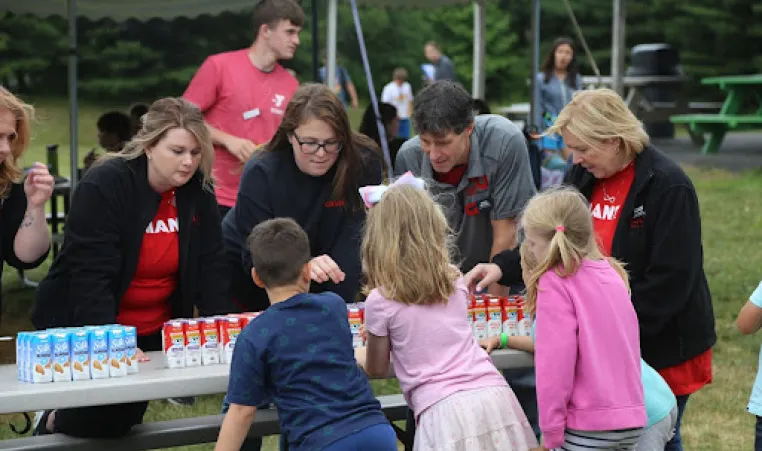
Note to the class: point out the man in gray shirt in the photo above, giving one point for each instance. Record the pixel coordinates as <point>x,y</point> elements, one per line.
<point>478,168</point>
<point>443,67</point>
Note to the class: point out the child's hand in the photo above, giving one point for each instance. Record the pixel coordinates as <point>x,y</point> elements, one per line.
<point>490,344</point>
<point>362,333</point>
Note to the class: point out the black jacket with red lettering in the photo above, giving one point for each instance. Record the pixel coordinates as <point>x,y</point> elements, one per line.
<point>658,237</point>
<point>111,208</point>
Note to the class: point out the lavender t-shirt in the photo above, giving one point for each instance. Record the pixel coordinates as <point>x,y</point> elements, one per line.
<point>433,350</point>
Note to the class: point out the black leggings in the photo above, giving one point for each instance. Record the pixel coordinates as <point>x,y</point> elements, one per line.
<point>109,421</point>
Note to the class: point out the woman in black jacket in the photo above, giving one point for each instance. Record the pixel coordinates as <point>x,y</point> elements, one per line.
<point>311,172</point>
<point>24,234</point>
<point>646,214</point>
<point>142,223</point>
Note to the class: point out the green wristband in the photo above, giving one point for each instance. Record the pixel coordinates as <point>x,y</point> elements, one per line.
<point>503,341</point>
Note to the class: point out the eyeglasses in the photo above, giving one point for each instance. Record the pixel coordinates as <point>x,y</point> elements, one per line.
<point>311,147</point>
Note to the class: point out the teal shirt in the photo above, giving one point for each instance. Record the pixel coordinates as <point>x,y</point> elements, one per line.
<point>659,398</point>
<point>755,403</point>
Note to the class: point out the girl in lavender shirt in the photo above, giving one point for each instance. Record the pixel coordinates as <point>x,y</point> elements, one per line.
<point>416,317</point>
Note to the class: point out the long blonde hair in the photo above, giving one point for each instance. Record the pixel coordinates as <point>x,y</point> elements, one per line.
<point>162,116</point>
<point>595,115</point>
<point>406,248</point>
<point>10,171</point>
<point>561,216</point>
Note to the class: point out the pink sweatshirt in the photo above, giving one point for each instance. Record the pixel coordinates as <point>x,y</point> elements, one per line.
<point>587,354</point>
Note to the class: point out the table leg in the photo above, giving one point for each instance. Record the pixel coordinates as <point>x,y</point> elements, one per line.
<point>712,145</point>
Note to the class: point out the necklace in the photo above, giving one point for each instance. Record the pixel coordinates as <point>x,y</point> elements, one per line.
<point>611,198</point>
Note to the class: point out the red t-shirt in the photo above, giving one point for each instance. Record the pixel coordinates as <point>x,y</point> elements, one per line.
<point>146,305</point>
<point>606,203</point>
<point>453,177</point>
<point>241,100</point>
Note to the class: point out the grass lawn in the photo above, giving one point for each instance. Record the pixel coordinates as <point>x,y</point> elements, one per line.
<point>732,226</point>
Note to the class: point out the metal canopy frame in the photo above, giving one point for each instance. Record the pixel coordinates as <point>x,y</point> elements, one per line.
<point>146,9</point>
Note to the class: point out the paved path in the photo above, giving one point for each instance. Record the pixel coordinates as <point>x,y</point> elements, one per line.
<point>739,152</point>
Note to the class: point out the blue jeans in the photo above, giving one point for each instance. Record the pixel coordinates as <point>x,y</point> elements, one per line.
<point>758,435</point>
<point>403,131</point>
<point>255,444</point>
<point>676,444</point>
<point>380,437</point>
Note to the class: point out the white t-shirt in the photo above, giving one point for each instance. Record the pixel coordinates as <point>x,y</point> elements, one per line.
<point>400,97</point>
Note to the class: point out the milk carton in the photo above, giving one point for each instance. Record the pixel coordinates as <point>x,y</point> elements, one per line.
<point>525,320</point>
<point>61,343</point>
<point>173,344</point>
<point>230,329</point>
<point>354,315</point>
<point>131,349</point>
<point>41,357</point>
<point>26,355</point>
<point>192,343</point>
<point>20,360</point>
<point>80,354</point>
<point>494,316</point>
<point>99,358</point>
<point>480,318</point>
<point>210,341</point>
<point>117,356</point>
<point>511,317</point>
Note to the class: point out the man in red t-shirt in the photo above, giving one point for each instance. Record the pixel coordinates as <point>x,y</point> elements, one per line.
<point>244,93</point>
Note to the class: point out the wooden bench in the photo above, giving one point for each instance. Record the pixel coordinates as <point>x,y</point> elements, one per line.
<point>182,432</point>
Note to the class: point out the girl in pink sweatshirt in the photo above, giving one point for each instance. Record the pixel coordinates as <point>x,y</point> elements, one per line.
<point>587,361</point>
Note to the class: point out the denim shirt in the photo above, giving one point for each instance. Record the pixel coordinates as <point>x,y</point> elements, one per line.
<point>553,96</point>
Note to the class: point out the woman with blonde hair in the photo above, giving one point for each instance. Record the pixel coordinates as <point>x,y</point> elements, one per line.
<point>24,234</point>
<point>646,214</point>
<point>415,317</point>
<point>142,223</point>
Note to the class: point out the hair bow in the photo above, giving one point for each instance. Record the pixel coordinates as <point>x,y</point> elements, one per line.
<point>372,194</point>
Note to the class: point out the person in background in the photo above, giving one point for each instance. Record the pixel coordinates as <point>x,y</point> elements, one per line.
<point>343,86</point>
<point>369,127</point>
<point>444,69</point>
<point>400,94</point>
<point>661,405</point>
<point>646,214</point>
<point>480,107</point>
<point>311,172</point>
<point>244,93</point>
<point>459,399</point>
<point>322,406</point>
<point>114,130</point>
<point>749,322</point>
<point>136,113</point>
<point>24,233</point>
<point>142,245</point>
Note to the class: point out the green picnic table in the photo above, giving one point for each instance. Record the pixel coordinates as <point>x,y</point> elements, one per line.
<point>742,90</point>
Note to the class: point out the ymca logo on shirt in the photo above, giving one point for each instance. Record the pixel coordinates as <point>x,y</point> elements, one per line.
<point>278,100</point>
<point>162,226</point>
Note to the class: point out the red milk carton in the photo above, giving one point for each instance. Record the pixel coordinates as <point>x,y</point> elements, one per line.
<point>192,343</point>
<point>480,317</point>
<point>525,319</point>
<point>230,329</point>
<point>354,315</point>
<point>494,316</point>
<point>173,344</point>
<point>511,316</point>
<point>210,341</point>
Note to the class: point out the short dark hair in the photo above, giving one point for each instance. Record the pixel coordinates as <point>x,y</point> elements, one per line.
<point>272,12</point>
<point>117,123</point>
<point>441,107</point>
<point>279,250</point>
<point>481,106</point>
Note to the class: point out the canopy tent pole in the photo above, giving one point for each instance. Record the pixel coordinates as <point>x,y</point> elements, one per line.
<point>73,106</point>
<point>477,90</point>
<point>371,87</point>
<point>330,67</point>
<point>535,101</point>
<point>618,46</point>
<point>315,43</point>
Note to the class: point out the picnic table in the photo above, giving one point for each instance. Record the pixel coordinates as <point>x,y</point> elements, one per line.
<point>152,382</point>
<point>739,89</point>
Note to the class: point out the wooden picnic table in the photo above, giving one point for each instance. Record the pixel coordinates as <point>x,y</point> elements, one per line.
<point>739,89</point>
<point>153,381</point>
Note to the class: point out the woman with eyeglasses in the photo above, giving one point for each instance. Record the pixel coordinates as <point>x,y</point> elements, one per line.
<point>311,172</point>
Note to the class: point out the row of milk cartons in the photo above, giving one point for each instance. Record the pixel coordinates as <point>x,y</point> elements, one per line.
<point>490,316</point>
<point>76,353</point>
<point>202,341</point>
<point>356,317</point>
